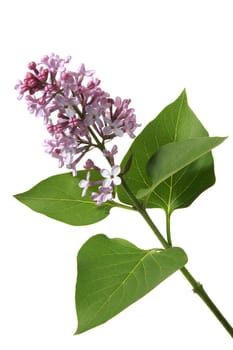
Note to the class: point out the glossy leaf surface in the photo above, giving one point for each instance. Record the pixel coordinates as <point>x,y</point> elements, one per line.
<point>172,157</point>
<point>176,122</point>
<point>59,197</point>
<point>114,273</point>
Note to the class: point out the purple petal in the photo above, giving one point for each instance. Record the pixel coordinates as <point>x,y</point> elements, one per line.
<point>116,170</point>
<point>117,181</point>
<point>105,173</point>
<point>107,182</point>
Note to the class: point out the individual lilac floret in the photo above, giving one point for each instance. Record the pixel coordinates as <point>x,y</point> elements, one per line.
<point>111,177</point>
<point>113,127</point>
<point>91,165</point>
<point>110,154</point>
<point>103,196</point>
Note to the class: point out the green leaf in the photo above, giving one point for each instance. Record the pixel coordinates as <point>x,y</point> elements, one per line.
<point>114,273</point>
<point>176,122</point>
<point>172,157</point>
<point>59,197</point>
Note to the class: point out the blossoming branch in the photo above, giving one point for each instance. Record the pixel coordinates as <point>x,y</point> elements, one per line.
<point>168,165</point>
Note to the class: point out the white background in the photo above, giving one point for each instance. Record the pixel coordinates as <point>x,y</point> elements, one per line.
<point>148,51</point>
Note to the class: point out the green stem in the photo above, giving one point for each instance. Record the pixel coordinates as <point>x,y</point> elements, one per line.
<point>200,291</point>
<point>197,287</point>
<point>168,228</point>
<point>98,143</point>
<point>139,207</point>
<point>120,205</point>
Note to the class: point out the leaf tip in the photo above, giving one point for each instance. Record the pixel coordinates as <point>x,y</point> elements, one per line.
<point>81,328</point>
<point>16,196</point>
<point>77,332</point>
<point>184,94</point>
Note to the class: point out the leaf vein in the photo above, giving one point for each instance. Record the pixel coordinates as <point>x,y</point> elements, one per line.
<point>106,302</point>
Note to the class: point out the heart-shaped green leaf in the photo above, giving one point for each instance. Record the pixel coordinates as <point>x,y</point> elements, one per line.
<point>60,198</point>
<point>176,122</point>
<point>114,273</point>
<point>172,157</point>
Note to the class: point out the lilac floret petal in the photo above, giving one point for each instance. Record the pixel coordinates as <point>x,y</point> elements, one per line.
<point>85,184</point>
<point>105,173</point>
<point>103,196</point>
<point>117,181</point>
<point>115,170</point>
<point>107,182</point>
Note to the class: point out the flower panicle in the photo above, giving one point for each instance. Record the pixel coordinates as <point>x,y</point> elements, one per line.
<point>78,115</point>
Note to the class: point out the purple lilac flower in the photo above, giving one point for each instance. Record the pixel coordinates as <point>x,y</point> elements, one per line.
<point>54,62</point>
<point>106,187</point>
<point>111,177</point>
<point>79,116</point>
<point>110,154</point>
<point>104,195</point>
<point>113,127</point>
<point>91,165</point>
<point>120,118</point>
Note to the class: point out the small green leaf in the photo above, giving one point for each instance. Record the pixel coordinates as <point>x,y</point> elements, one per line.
<point>172,157</point>
<point>59,197</point>
<point>114,273</point>
<point>175,123</point>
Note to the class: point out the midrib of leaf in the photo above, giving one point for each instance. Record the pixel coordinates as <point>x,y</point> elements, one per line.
<point>76,201</point>
<point>59,200</point>
<point>161,198</point>
<point>170,197</point>
<point>168,212</point>
<point>125,280</point>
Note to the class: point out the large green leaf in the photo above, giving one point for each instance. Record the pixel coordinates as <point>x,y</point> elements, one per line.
<point>114,273</point>
<point>59,197</point>
<point>176,122</point>
<point>172,157</point>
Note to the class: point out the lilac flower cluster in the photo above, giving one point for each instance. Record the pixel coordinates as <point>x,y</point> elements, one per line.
<point>78,115</point>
